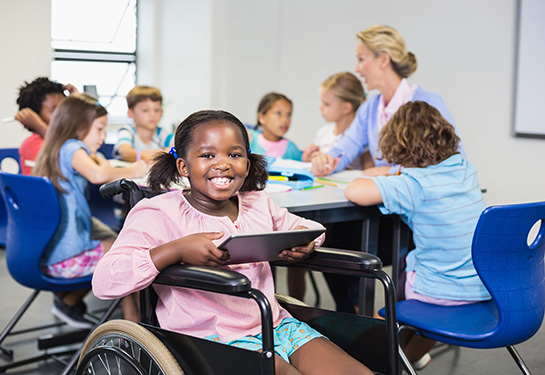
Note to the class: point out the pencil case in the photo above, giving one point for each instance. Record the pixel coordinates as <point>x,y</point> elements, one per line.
<point>294,177</point>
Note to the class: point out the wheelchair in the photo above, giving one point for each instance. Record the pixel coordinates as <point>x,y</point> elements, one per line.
<point>122,347</point>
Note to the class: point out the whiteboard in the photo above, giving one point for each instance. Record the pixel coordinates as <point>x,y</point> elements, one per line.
<point>529,97</point>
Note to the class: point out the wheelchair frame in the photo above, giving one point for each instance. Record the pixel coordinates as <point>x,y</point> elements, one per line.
<point>199,356</point>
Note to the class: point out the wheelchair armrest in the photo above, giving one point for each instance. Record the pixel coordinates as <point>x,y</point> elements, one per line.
<point>210,279</point>
<point>326,257</point>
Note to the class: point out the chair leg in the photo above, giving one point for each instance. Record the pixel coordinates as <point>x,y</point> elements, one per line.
<point>406,364</point>
<point>518,360</point>
<point>315,288</point>
<point>6,351</point>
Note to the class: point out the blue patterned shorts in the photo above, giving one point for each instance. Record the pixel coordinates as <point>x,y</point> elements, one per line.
<point>288,336</point>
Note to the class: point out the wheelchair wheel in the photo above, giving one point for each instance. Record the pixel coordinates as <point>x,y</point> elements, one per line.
<point>123,347</point>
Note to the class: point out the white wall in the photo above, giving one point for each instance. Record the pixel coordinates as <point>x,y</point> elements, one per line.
<point>25,30</point>
<point>227,54</point>
<point>465,51</point>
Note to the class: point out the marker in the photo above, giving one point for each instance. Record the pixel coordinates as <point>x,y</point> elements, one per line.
<point>278,178</point>
<point>326,182</point>
<point>7,119</point>
<point>312,187</point>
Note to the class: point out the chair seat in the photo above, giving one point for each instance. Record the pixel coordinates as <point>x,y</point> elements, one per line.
<point>444,321</point>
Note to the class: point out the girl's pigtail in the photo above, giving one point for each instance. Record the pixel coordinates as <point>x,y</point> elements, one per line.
<point>258,175</point>
<point>163,173</point>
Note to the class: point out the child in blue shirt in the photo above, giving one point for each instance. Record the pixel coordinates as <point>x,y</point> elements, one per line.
<point>68,158</point>
<point>274,117</point>
<point>438,196</point>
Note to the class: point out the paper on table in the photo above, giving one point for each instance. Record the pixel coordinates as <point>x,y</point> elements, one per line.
<point>344,177</point>
<point>288,163</point>
<point>277,188</point>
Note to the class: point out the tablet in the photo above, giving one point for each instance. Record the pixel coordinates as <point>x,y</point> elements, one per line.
<point>265,246</point>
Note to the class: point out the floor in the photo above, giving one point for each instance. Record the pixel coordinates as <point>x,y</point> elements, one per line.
<point>446,360</point>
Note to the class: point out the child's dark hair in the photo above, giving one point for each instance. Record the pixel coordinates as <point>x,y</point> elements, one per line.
<point>32,95</point>
<point>267,102</point>
<point>417,135</point>
<point>164,171</point>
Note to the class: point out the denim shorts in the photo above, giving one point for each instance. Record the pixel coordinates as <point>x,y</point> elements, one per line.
<point>288,336</point>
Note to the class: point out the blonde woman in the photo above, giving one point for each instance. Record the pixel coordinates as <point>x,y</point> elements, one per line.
<point>385,64</point>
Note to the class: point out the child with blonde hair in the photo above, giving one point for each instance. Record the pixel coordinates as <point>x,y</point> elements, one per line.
<point>67,158</point>
<point>341,95</point>
<point>145,139</point>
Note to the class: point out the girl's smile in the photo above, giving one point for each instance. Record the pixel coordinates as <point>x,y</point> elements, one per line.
<point>216,164</point>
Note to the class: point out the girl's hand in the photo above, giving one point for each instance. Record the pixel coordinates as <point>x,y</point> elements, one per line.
<point>298,252</point>
<point>323,164</point>
<point>139,169</point>
<point>198,249</point>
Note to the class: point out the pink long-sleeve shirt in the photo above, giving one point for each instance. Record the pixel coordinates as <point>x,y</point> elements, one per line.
<point>128,267</point>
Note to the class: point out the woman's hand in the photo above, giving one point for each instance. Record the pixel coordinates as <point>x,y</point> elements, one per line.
<point>323,164</point>
<point>310,152</point>
<point>297,253</point>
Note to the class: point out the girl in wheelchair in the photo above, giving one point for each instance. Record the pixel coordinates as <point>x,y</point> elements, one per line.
<point>226,197</point>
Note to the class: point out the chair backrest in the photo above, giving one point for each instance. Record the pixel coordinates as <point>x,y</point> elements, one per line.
<point>512,270</point>
<point>10,154</point>
<point>107,149</point>
<point>33,217</point>
<point>14,167</point>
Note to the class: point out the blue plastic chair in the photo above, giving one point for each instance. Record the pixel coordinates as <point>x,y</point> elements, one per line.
<point>512,271</point>
<point>6,153</point>
<point>33,217</point>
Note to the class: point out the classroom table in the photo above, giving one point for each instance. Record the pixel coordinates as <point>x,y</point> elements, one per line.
<point>327,204</point>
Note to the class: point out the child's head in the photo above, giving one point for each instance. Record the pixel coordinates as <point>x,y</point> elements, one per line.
<point>42,96</point>
<point>341,94</point>
<point>145,106</point>
<point>274,115</point>
<point>417,136</point>
<point>210,144</point>
<point>79,116</point>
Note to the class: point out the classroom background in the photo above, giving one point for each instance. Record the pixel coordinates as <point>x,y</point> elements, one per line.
<point>227,54</point>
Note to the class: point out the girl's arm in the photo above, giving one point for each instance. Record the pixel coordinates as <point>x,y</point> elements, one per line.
<point>99,171</point>
<point>129,267</point>
<point>197,249</point>
<point>32,121</point>
<point>363,191</point>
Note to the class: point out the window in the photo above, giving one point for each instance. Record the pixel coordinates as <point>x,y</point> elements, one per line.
<point>94,44</point>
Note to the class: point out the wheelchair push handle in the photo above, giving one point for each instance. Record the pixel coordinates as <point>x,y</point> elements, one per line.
<point>115,187</point>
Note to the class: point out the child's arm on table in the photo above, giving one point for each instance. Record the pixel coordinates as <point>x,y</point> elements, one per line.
<point>98,171</point>
<point>363,191</point>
